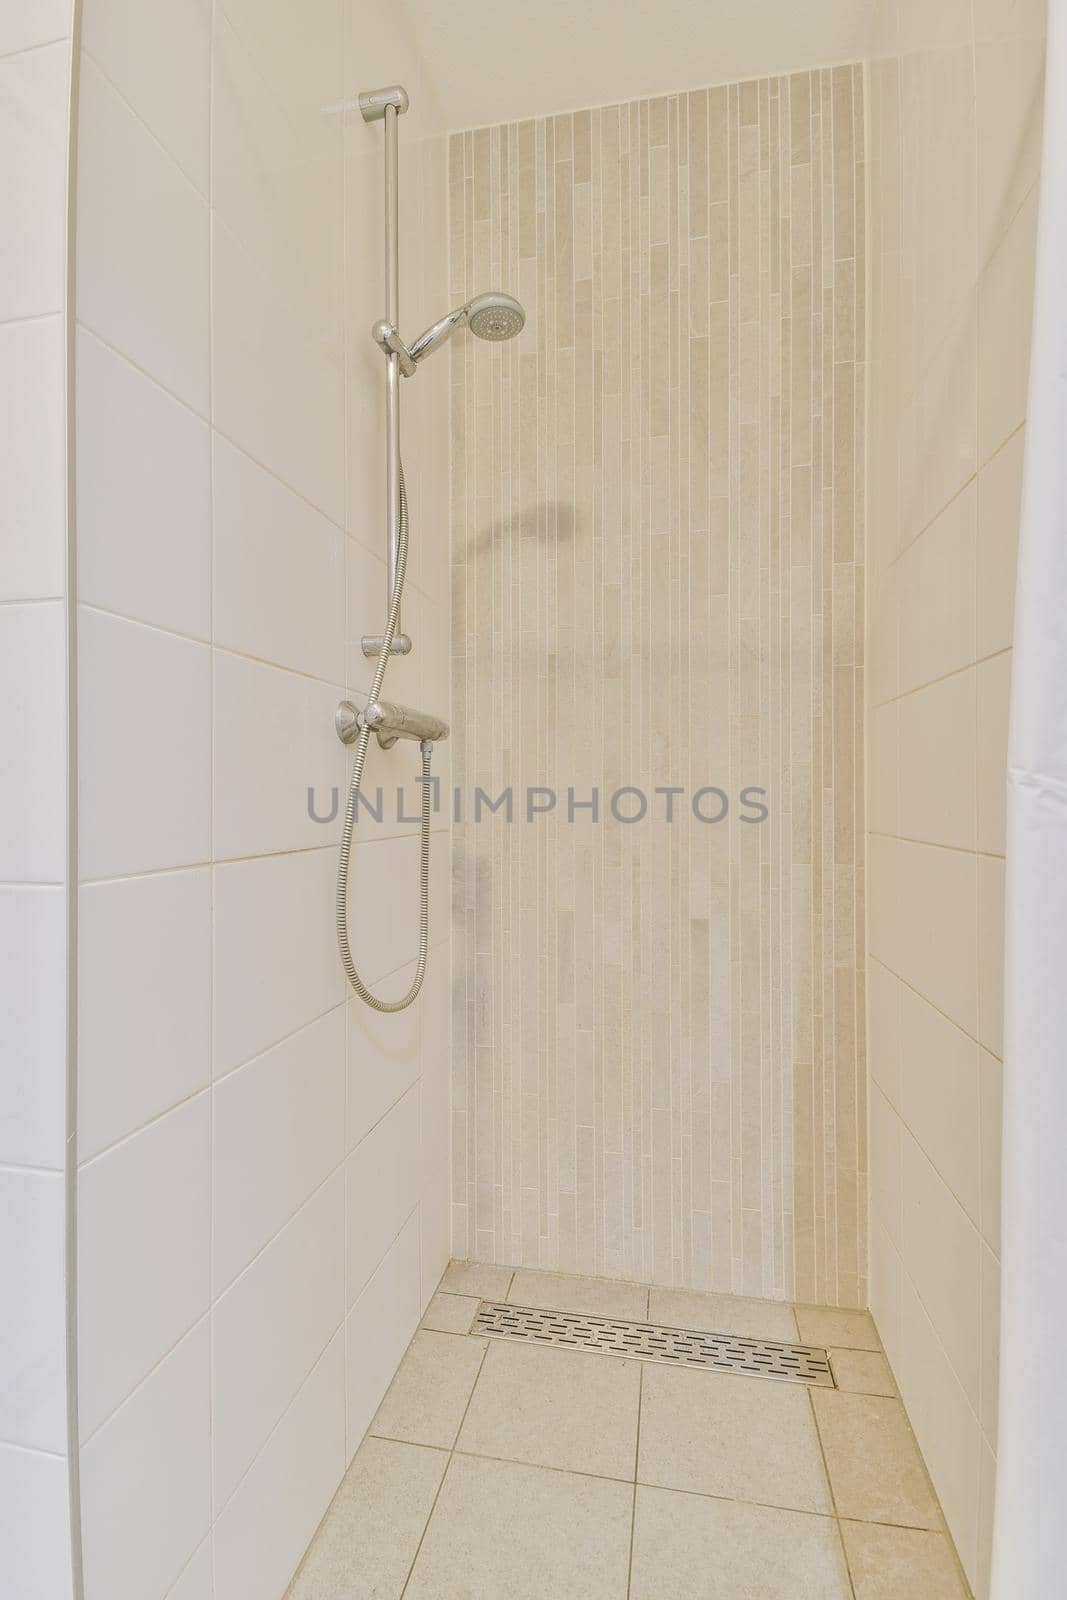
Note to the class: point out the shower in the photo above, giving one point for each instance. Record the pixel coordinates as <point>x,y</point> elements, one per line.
<point>493,316</point>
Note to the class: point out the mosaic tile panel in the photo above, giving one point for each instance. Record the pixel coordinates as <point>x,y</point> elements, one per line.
<point>657,522</point>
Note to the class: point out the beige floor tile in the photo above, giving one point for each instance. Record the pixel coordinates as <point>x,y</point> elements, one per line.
<point>555,1408</point>
<point>893,1563</point>
<point>862,1372</point>
<point>723,1313</point>
<point>426,1400</point>
<point>844,1330</point>
<point>474,1278</point>
<point>556,1291</point>
<point>369,1536</point>
<point>687,1547</point>
<point>450,1313</point>
<point>503,1531</point>
<point>741,1438</point>
<point>873,1461</point>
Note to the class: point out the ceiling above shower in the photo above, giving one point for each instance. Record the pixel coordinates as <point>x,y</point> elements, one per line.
<point>498,60</point>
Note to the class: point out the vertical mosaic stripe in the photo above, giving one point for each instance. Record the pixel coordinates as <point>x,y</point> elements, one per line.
<point>657,523</point>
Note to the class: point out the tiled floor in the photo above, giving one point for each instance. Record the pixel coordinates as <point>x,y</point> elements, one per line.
<point>497,1470</point>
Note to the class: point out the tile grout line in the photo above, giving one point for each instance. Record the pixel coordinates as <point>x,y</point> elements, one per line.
<point>444,1475</point>
<point>833,1496</point>
<point>637,1458</point>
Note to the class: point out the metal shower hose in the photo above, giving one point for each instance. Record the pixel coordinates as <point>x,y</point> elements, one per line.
<point>354,787</point>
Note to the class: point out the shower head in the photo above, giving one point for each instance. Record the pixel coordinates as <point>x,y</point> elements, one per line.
<point>488,316</point>
<point>495,316</point>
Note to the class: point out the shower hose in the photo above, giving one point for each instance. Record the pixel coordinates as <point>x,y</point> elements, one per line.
<point>354,788</point>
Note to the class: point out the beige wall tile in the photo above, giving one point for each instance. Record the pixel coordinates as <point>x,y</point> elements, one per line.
<point>631,1099</point>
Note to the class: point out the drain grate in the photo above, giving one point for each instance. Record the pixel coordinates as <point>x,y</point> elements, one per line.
<point>648,1341</point>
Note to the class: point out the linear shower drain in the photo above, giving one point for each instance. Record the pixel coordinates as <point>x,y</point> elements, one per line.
<point>649,1341</point>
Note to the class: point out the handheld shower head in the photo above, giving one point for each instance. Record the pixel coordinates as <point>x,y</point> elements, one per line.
<point>493,316</point>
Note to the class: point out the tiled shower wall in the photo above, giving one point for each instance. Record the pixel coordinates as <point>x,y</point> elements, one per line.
<point>35,57</point>
<point>263,1193</point>
<point>657,504</point>
<point>955,111</point>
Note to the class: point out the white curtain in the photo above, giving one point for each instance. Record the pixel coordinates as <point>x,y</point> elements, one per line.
<point>1030,1540</point>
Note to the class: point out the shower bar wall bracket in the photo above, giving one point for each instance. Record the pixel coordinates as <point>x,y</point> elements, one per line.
<point>373,102</point>
<point>389,721</point>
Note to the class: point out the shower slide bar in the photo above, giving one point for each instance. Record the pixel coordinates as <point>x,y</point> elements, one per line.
<point>386,105</point>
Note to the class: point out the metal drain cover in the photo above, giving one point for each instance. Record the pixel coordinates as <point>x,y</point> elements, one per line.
<point>649,1341</point>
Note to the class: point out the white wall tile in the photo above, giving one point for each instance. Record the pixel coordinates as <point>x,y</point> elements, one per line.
<point>954,124</point>
<point>987,1484</point>
<point>277,158</point>
<point>989,1375</point>
<point>33,1310</point>
<point>886,1179</point>
<point>936,762</point>
<point>937,596</point>
<point>197,1582</point>
<point>269,1329</point>
<point>378,1329</point>
<point>276,965</point>
<point>436,1116</point>
<point>144,748</point>
<point>34,93</point>
<point>939,1097</point>
<point>33,1006</point>
<point>938,908</point>
<point>144,1000</point>
<point>994,691</point>
<point>33,453</point>
<point>274,740</point>
<point>384,1059</point>
<point>278,394</point>
<point>144,496</point>
<point>279,1132</point>
<point>1009,58</point>
<point>146,1480</point>
<point>279,589</point>
<point>999,496</point>
<point>142,245</point>
<point>366,582</point>
<point>144,1211</point>
<point>990,1027</point>
<point>1005,315</point>
<point>991,1095</point>
<point>941,1254</point>
<point>35,1524</point>
<point>264,1530</point>
<point>384,872</point>
<point>945,1425</point>
<point>26,23</point>
<point>887,1275</point>
<point>384,1173</point>
<point>157,53</point>
<point>883,1028</point>
<point>33,738</point>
